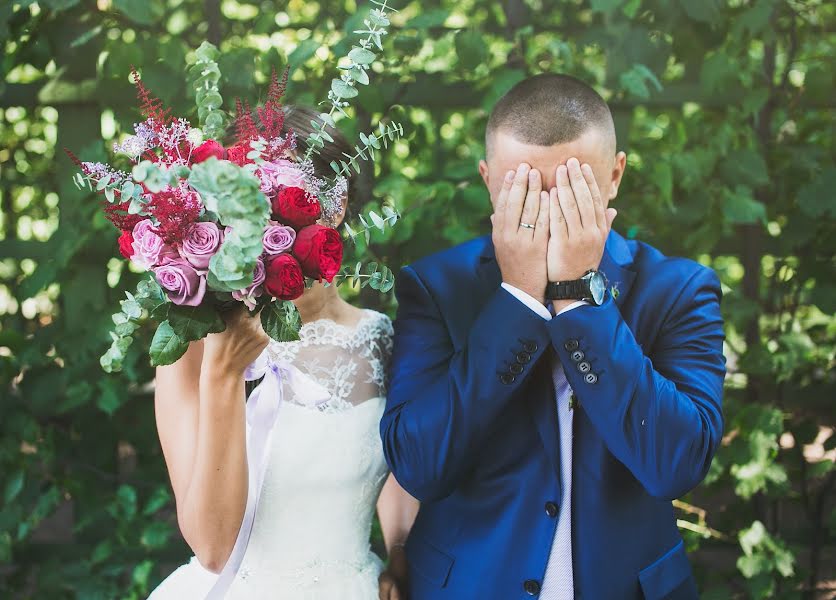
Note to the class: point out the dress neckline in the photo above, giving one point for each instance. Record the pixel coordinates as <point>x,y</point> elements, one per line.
<point>367,315</point>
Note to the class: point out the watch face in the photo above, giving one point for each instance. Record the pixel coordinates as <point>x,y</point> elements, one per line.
<point>597,288</point>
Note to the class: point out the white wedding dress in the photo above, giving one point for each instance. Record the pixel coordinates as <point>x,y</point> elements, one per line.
<point>324,472</point>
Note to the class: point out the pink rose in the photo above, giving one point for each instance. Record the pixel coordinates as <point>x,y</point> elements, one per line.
<point>149,249</point>
<point>201,242</point>
<point>278,239</point>
<point>181,282</point>
<point>280,173</point>
<point>252,291</point>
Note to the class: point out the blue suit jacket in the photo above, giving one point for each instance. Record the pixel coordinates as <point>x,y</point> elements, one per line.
<point>479,445</point>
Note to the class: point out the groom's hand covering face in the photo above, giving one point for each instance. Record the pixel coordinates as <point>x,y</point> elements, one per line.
<point>521,230</point>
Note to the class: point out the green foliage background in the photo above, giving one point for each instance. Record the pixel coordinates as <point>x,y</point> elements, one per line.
<point>725,108</point>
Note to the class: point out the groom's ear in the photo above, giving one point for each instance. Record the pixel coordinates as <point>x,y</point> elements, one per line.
<point>483,171</point>
<point>619,165</point>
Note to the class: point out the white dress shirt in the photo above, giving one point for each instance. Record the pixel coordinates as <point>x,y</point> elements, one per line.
<point>558,583</point>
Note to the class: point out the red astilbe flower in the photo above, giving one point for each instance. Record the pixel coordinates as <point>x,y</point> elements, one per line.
<point>150,106</point>
<point>175,209</point>
<point>271,114</point>
<point>267,122</point>
<point>246,129</point>
<point>119,216</point>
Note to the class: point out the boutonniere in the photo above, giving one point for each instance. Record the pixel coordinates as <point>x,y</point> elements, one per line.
<point>614,291</point>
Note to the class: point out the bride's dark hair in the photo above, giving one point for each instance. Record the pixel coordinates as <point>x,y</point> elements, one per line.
<point>298,119</point>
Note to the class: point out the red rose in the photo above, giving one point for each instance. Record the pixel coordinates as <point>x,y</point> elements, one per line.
<point>126,241</point>
<point>283,278</point>
<point>238,154</point>
<point>293,206</point>
<point>320,252</point>
<point>207,149</point>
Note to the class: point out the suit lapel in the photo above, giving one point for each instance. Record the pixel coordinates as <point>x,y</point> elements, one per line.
<point>615,264</point>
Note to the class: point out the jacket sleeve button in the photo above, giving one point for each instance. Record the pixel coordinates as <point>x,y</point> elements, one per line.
<point>571,345</point>
<point>523,358</point>
<point>584,367</point>
<point>531,587</point>
<point>516,368</point>
<point>577,355</point>
<point>530,347</point>
<point>591,378</point>
<point>507,378</point>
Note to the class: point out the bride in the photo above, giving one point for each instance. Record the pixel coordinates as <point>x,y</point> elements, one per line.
<point>325,468</point>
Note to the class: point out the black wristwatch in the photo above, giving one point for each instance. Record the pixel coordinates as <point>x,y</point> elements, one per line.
<point>592,287</point>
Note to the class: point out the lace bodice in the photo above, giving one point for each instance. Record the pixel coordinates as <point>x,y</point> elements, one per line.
<point>349,362</point>
<point>323,470</point>
<point>326,467</point>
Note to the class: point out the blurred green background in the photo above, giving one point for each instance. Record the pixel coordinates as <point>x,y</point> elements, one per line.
<point>724,106</point>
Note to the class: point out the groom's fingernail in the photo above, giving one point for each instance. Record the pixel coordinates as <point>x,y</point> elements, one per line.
<point>533,175</point>
<point>509,176</point>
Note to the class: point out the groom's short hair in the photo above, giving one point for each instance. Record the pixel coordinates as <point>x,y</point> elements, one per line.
<point>550,109</point>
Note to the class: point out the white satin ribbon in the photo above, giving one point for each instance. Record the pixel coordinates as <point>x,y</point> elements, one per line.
<point>262,412</point>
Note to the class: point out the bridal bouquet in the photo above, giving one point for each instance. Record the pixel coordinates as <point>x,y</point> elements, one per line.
<point>216,225</point>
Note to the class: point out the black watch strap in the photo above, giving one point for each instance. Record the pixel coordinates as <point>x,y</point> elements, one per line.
<point>577,289</point>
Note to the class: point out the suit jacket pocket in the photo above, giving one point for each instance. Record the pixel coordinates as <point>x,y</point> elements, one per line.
<point>666,575</point>
<point>428,561</point>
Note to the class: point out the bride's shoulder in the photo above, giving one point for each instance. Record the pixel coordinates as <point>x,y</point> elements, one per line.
<point>379,322</point>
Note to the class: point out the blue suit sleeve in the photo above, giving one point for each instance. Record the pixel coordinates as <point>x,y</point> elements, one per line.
<point>443,400</point>
<point>659,409</point>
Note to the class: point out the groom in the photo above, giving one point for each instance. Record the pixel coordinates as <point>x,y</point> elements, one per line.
<point>554,386</point>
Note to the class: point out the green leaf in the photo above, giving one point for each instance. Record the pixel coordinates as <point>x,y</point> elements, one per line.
<point>281,321</point>
<point>342,89</point>
<point>471,48</point>
<point>166,347</point>
<point>361,56</point>
<point>158,500</point>
<point>14,485</point>
<point>192,323</point>
<point>817,198</point>
<point>146,12</point>
<point>605,6</point>
<point>740,207</point>
<point>706,11</point>
<point>746,167</point>
<point>155,535</point>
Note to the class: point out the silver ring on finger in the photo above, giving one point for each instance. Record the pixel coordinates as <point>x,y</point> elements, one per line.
<point>527,226</point>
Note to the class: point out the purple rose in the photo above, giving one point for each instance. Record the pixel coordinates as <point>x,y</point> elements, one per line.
<point>252,291</point>
<point>149,249</point>
<point>181,282</point>
<point>201,243</point>
<point>278,239</point>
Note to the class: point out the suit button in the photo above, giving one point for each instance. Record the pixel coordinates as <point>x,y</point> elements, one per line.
<point>523,358</point>
<point>591,378</point>
<point>530,347</point>
<point>507,378</point>
<point>531,587</point>
<point>584,367</point>
<point>516,368</point>
<point>577,355</point>
<point>571,345</point>
<point>551,509</point>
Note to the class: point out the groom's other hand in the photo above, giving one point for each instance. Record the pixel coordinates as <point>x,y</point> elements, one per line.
<point>521,231</point>
<point>579,224</point>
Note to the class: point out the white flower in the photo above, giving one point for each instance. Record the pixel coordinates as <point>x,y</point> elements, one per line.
<point>195,136</point>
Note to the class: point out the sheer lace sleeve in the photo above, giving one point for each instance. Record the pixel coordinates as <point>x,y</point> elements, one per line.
<point>350,362</point>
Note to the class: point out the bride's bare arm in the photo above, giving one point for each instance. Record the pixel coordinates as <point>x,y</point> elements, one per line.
<point>397,511</point>
<point>199,404</point>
